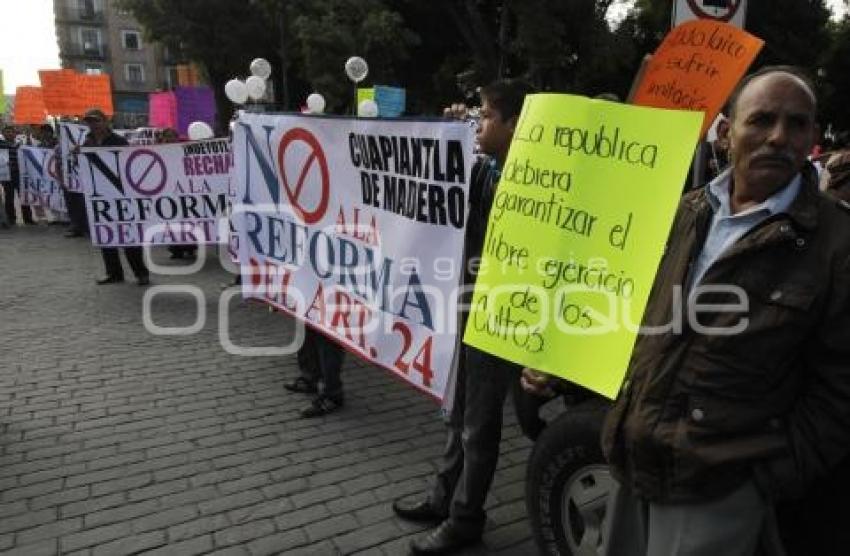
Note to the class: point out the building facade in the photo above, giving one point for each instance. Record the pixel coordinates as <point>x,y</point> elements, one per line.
<point>98,36</point>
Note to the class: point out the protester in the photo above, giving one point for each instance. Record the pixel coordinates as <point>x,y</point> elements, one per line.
<point>11,187</point>
<point>475,419</point>
<point>717,153</point>
<point>101,135</point>
<point>187,251</point>
<point>4,224</point>
<point>835,178</point>
<point>320,361</point>
<point>76,204</point>
<point>46,138</point>
<point>715,424</point>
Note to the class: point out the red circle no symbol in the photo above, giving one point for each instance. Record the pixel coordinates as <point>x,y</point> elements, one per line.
<point>704,12</point>
<point>295,191</point>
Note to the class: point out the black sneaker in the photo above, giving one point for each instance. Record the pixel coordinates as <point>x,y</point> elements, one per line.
<point>301,386</point>
<point>321,405</point>
<point>421,511</point>
<point>444,539</point>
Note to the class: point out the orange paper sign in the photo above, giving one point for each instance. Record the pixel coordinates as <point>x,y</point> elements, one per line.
<point>29,106</point>
<point>61,96</point>
<point>696,67</point>
<point>95,92</point>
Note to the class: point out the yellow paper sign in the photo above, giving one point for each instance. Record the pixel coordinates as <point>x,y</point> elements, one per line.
<point>576,231</point>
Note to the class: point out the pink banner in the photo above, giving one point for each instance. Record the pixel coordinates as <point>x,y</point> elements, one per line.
<point>162,110</point>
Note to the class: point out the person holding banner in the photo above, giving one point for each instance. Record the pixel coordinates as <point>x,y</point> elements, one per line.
<point>101,135</point>
<point>748,402</point>
<point>835,178</point>
<point>4,176</point>
<point>47,139</point>
<point>319,360</point>
<point>475,422</point>
<point>11,187</point>
<point>189,251</point>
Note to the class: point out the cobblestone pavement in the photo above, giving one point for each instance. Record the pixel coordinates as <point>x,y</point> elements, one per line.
<point>115,441</point>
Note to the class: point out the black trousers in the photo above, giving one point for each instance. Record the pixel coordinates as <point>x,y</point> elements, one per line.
<point>134,256</point>
<point>320,360</point>
<point>10,190</point>
<point>475,431</point>
<point>77,211</point>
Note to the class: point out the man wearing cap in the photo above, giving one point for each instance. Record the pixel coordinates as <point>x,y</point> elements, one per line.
<point>101,135</point>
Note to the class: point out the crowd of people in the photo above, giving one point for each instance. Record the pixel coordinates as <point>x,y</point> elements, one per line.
<point>710,432</point>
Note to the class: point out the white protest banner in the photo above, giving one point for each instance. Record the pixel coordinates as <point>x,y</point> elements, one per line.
<point>71,137</point>
<point>141,135</point>
<point>5,172</point>
<point>356,227</point>
<point>168,194</point>
<point>39,178</point>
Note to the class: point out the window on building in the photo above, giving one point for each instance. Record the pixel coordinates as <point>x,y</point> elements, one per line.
<point>87,8</point>
<point>134,73</point>
<point>93,69</point>
<point>132,40</point>
<point>90,39</point>
<point>172,78</point>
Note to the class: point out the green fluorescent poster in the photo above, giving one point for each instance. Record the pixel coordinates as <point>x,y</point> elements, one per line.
<point>577,228</point>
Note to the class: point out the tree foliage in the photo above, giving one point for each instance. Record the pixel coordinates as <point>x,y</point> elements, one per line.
<point>221,36</point>
<point>441,49</point>
<point>329,32</point>
<point>835,78</point>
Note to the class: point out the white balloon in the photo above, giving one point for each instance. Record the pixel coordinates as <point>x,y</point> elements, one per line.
<point>316,103</point>
<point>256,87</point>
<point>367,108</point>
<point>261,68</point>
<point>356,69</point>
<point>236,91</point>
<point>200,130</point>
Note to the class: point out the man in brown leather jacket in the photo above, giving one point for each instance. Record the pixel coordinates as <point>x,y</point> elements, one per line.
<point>745,400</point>
<point>730,407</point>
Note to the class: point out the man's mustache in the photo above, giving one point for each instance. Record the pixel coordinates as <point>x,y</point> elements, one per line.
<point>773,157</point>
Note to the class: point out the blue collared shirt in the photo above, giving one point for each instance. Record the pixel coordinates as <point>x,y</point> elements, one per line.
<point>727,228</point>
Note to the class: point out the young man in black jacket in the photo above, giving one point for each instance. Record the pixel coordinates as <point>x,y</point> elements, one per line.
<point>483,380</point>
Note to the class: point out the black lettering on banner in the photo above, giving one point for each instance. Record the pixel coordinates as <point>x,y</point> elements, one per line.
<point>112,174</point>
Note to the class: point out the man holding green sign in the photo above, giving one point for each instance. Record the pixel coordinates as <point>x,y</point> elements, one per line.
<point>738,391</point>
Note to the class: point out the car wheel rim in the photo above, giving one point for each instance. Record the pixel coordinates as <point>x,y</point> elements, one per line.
<point>583,509</point>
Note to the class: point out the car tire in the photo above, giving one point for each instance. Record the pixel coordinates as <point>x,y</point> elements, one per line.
<point>567,483</point>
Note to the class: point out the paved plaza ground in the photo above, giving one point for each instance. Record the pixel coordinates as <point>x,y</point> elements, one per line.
<point>115,441</point>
